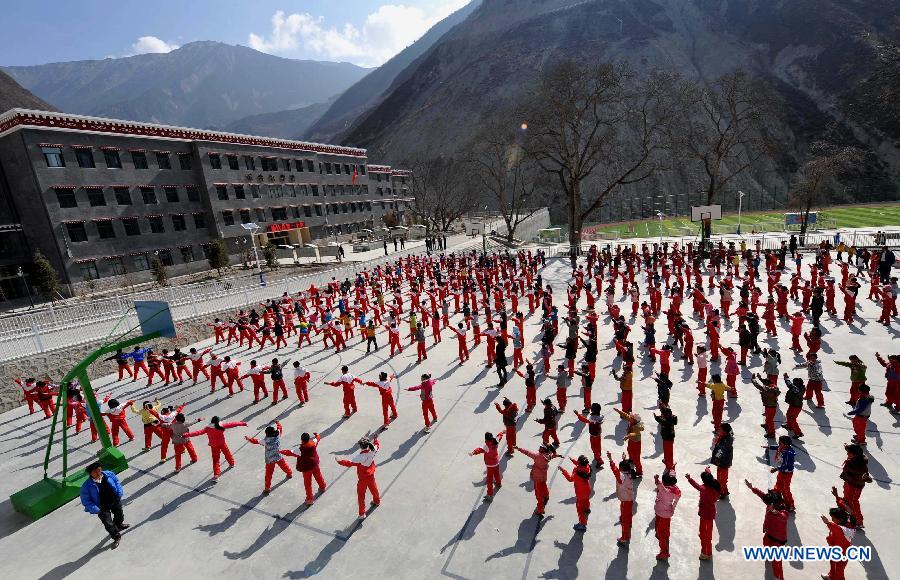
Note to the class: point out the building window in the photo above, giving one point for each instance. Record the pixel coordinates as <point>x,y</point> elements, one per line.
<point>239,192</point>
<point>227,218</point>
<point>171,194</point>
<point>245,216</point>
<point>113,161</point>
<point>141,263</point>
<point>139,158</point>
<point>105,229</point>
<point>362,169</point>
<point>193,193</point>
<point>89,271</point>
<point>249,163</point>
<point>156,224</point>
<point>96,197</point>
<point>162,159</point>
<point>254,191</point>
<point>222,192</point>
<point>85,157</point>
<point>178,223</point>
<point>132,227</point>
<point>286,165</point>
<point>232,162</point>
<point>318,207</point>
<point>76,232</point>
<point>337,168</point>
<point>53,156</point>
<point>165,256</point>
<point>205,249</point>
<point>149,196</point>
<point>279,214</point>
<point>307,211</point>
<point>187,254</point>
<point>66,197</point>
<point>310,166</point>
<point>315,190</point>
<point>298,165</point>
<point>200,221</point>
<point>184,160</point>
<point>215,161</point>
<point>295,211</point>
<point>260,214</point>
<point>123,196</point>
<point>116,266</point>
<point>344,208</point>
<point>328,168</point>
<point>268,163</point>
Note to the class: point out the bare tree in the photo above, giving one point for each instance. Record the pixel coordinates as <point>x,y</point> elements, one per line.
<point>599,125</point>
<point>441,191</point>
<point>723,131</point>
<point>826,166</point>
<point>516,184</point>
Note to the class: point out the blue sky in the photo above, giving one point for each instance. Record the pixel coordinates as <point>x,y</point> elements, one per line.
<point>366,32</point>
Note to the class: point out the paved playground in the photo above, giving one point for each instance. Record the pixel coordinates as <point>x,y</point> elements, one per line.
<point>432,521</point>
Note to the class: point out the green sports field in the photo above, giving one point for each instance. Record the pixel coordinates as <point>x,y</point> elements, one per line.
<point>839,217</point>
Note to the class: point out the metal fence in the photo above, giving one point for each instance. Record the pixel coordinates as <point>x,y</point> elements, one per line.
<point>51,328</point>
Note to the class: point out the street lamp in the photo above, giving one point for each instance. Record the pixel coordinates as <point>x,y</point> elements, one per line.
<point>21,274</point>
<point>252,228</point>
<point>740,203</point>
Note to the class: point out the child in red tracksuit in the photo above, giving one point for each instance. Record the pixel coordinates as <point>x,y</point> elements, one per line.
<point>840,534</point>
<point>272,443</point>
<point>118,419</point>
<point>667,496</point>
<point>215,436</point>
<point>364,462</point>
<point>710,492</point>
<point>301,383</point>
<point>509,411</point>
<point>426,388</point>
<point>633,438</point>
<point>624,475</point>
<point>490,450</point>
<point>540,463</point>
<point>581,477</point>
<point>530,387</point>
<point>308,463</point>
<point>774,524</point>
<point>549,421</point>
<point>383,384</point>
<point>348,383</point>
<point>594,421</point>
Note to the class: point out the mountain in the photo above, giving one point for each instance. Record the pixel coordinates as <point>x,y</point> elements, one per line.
<point>290,124</point>
<point>821,56</point>
<point>367,92</point>
<point>13,95</point>
<point>201,84</point>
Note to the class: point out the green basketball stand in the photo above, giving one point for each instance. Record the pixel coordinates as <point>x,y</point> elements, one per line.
<point>48,494</point>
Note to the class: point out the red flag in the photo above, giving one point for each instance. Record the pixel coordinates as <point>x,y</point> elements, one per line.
<point>354,176</point>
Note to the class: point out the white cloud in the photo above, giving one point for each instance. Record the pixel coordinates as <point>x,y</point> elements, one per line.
<point>152,44</point>
<point>385,32</point>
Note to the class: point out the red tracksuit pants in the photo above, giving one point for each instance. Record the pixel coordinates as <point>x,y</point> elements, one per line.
<point>582,506</point>
<point>792,414</point>
<point>510,439</point>
<point>561,398</point>
<point>706,533</point>
<point>722,478</point>
<point>814,388</point>
<point>530,398</point>
<point>769,413</point>
<point>302,389</point>
<point>387,405</point>
<point>428,410</point>
<point>493,478</point>
<point>117,424</point>
<point>718,407</point>
<point>783,486</point>
<point>669,454</point>
<point>349,401</point>
<point>634,454</point>
<point>366,483</point>
<point>278,386</point>
<point>180,448</point>
<point>777,567</point>
<point>541,495</point>
<point>308,476</point>
<point>625,512</point>
<point>627,397</point>
<point>596,448</point>
<point>149,431</point>
<point>124,370</point>
<point>218,450</point>
<point>663,527</point>
<point>851,496</point>
<point>859,428</point>
<point>270,468</point>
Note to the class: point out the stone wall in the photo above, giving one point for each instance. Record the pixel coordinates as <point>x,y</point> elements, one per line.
<point>56,364</point>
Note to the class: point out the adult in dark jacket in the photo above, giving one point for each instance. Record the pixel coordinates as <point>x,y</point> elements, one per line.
<point>886,261</point>
<point>101,495</point>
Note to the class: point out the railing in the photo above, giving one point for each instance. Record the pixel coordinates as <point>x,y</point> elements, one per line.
<point>52,328</point>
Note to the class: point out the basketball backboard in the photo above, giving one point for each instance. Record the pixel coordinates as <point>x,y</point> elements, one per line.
<point>700,213</point>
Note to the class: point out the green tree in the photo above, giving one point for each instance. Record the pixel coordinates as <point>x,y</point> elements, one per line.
<point>271,256</point>
<point>160,273</point>
<point>45,276</point>
<point>218,256</point>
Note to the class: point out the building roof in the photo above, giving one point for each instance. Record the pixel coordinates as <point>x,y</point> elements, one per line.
<point>15,119</point>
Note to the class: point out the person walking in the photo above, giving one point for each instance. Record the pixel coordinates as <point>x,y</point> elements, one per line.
<point>101,495</point>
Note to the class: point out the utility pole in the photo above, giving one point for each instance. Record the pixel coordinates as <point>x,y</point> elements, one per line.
<point>252,228</point>
<point>740,204</point>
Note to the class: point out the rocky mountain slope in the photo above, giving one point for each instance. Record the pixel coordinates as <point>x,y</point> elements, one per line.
<point>13,95</point>
<point>827,60</point>
<point>201,84</point>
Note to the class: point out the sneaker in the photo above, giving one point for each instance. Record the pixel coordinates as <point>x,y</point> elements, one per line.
<point>124,526</point>
<point>622,542</point>
<point>488,498</point>
<point>579,528</point>
<point>706,556</point>
<point>115,544</point>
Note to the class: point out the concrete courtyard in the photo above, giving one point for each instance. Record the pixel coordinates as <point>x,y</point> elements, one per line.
<point>432,521</point>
